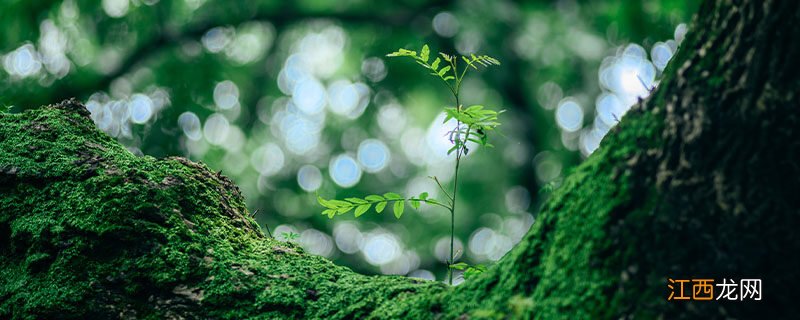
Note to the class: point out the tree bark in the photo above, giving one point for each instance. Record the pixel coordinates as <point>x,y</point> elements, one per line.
<point>697,181</point>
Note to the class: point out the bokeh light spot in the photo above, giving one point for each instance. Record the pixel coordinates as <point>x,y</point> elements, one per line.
<point>344,171</point>
<point>569,115</point>
<point>373,155</point>
<point>309,178</point>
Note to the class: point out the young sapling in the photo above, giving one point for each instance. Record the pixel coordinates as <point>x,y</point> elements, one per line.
<point>473,124</point>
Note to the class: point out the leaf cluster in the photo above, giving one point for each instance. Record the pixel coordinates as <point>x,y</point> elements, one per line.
<point>477,121</point>
<point>445,67</point>
<point>362,205</point>
<point>469,270</point>
<point>290,236</point>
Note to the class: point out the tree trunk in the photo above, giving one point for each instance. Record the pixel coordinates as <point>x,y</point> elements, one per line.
<point>698,181</point>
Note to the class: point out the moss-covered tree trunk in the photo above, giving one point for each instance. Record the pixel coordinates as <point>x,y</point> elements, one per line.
<point>698,181</point>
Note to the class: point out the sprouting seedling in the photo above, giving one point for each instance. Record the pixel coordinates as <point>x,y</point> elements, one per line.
<point>290,236</point>
<point>469,270</point>
<point>548,187</point>
<point>473,124</point>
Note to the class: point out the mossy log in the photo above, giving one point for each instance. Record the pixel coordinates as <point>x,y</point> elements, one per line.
<point>699,180</point>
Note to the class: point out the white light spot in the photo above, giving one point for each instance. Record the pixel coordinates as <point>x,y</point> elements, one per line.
<point>309,96</point>
<point>216,39</point>
<point>301,133</point>
<point>518,199</point>
<point>422,274</point>
<point>226,95</point>
<point>445,24</point>
<point>569,115</point>
<point>481,241</point>
<point>316,242</point>
<point>392,119</point>
<point>251,42</point>
<point>115,8</point>
<point>590,140</point>
<point>267,159</point>
<point>610,109</point>
<point>190,123</point>
<point>442,248</point>
<point>373,155</point>
<point>344,171</point>
<point>374,69</point>
<point>309,178</point>
<point>141,108</point>
<point>23,62</point>
<point>680,32</point>
<point>348,238</point>
<point>234,140</point>
<point>661,54</point>
<point>343,97</point>
<point>381,248</point>
<point>216,129</point>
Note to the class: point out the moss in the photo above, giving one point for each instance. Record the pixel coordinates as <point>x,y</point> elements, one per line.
<point>95,231</point>
<point>88,230</point>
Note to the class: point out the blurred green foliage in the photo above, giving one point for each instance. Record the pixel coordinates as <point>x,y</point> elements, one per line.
<point>279,95</point>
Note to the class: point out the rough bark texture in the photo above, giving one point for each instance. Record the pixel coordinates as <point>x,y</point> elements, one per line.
<point>698,181</point>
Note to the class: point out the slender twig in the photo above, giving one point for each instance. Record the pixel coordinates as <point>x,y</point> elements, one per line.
<point>449,197</point>
<point>268,231</point>
<point>253,215</point>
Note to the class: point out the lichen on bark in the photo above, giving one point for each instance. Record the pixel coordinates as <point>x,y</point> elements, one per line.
<point>699,180</point>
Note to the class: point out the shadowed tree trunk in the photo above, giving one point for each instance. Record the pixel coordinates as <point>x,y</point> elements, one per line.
<point>698,181</point>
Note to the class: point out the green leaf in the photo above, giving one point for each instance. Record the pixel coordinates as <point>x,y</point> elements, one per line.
<point>356,200</point>
<point>474,108</point>
<point>414,204</point>
<point>361,209</point>
<point>435,64</point>
<point>340,203</point>
<point>474,271</point>
<point>330,213</point>
<point>444,70</point>
<point>399,206</point>
<point>392,196</point>
<point>402,53</point>
<point>454,148</point>
<point>325,203</point>
<point>425,53</point>
<point>380,206</point>
<point>459,266</point>
<point>446,57</point>
<point>289,236</point>
<point>343,210</point>
<point>374,198</point>
<point>423,196</point>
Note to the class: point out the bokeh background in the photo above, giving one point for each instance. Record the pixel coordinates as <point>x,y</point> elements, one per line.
<point>295,98</point>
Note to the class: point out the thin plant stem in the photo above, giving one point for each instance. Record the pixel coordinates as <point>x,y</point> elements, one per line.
<point>455,189</point>
<point>453,218</point>
<point>450,198</point>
